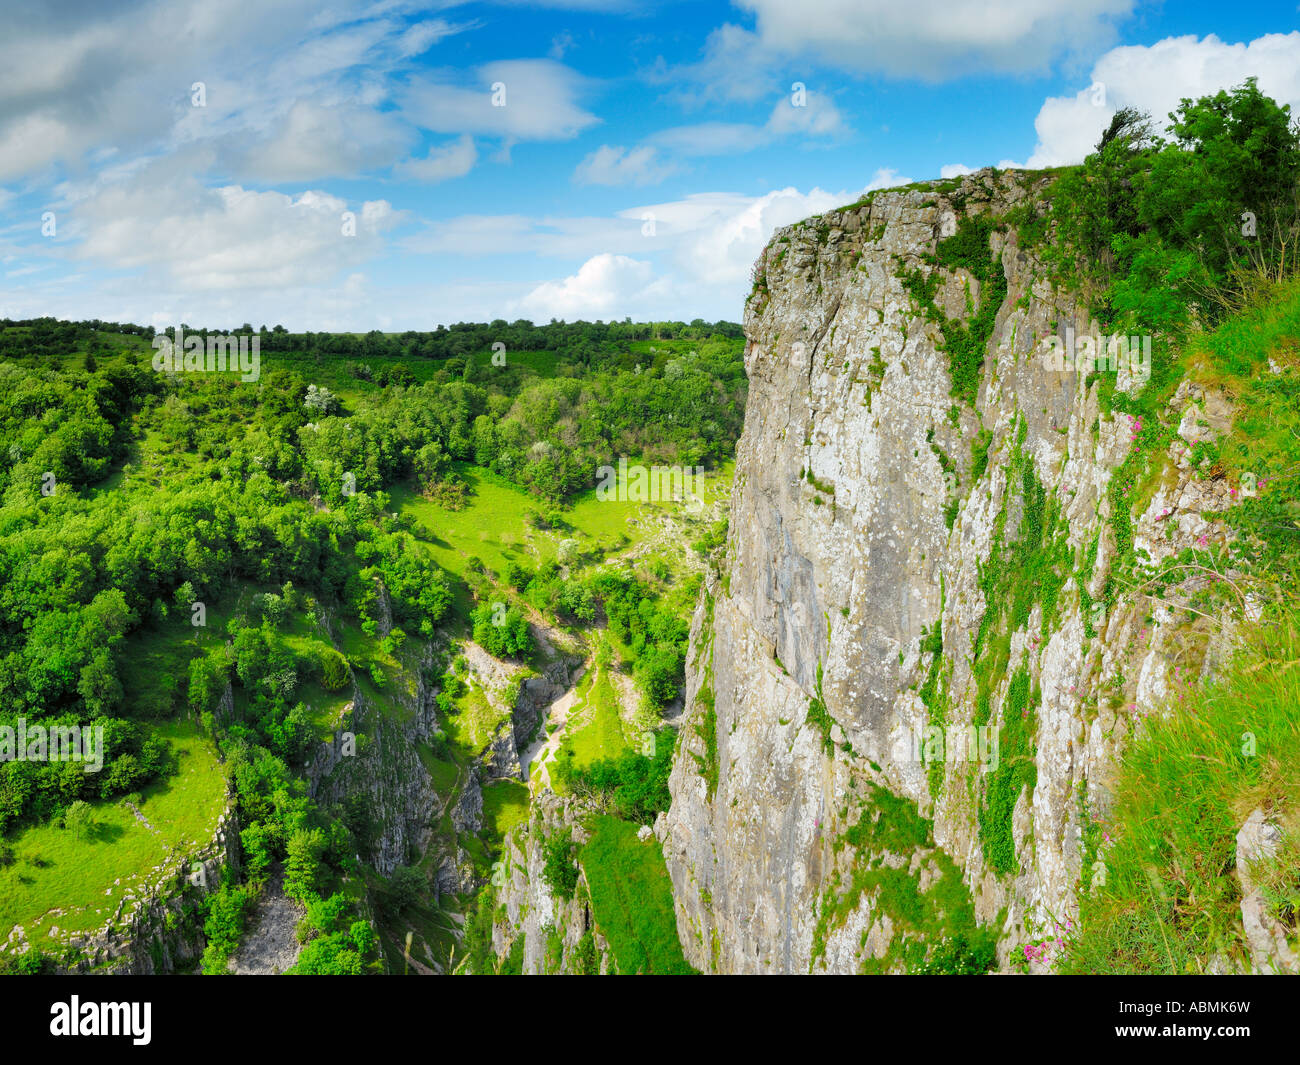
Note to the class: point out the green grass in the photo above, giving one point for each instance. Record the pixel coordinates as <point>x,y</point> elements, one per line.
<point>477,719</point>
<point>631,899</point>
<point>491,526</point>
<point>58,880</point>
<point>1264,443</point>
<point>595,726</point>
<point>1187,782</point>
<point>505,805</point>
<point>444,773</point>
<point>1159,892</point>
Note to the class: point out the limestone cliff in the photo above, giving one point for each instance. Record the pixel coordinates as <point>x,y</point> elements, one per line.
<point>916,544</point>
<point>542,932</point>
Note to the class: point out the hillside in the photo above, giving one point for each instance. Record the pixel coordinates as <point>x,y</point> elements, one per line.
<point>940,620</point>
<point>998,673</point>
<point>319,616</point>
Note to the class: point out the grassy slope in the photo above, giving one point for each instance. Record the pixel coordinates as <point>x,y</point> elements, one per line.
<point>631,899</point>
<point>75,884</point>
<point>491,526</point>
<point>1171,900</point>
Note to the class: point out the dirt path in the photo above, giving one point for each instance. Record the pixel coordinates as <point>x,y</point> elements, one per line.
<point>556,717</point>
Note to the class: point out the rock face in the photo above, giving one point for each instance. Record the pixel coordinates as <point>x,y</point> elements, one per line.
<point>1269,951</point>
<point>374,752</point>
<point>547,934</point>
<point>859,601</point>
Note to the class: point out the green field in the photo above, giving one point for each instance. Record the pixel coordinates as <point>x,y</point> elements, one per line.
<point>505,805</point>
<point>57,880</point>
<point>595,726</point>
<point>491,527</point>
<point>631,899</point>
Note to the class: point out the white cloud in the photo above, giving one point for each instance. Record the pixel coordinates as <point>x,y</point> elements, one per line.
<point>225,256</point>
<point>610,165</point>
<point>314,141</point>
<point>1154,79</point>
<point>540,102</point>
<point>448,161</point>
<point>687,257</point>
<point>185,237</point>
<point>603,286</point>
<point>930,40</point>
<point>815,117</point>
<point>419,38</point>
<point>886,178</point>
<point>713,238</point>
<point>933,39</point>
<point>952,170</point>
<point>305,85</point>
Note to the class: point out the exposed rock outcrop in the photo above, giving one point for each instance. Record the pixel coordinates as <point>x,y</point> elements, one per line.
<point>558,935</point>
<point>873,526</point>
<point>1258,840</point>
<point>374,752</point>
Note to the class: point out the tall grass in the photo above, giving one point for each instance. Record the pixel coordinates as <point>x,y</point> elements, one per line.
<point>631,899</point>
<point>1171,898</point>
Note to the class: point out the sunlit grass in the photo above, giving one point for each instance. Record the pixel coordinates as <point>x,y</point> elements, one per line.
<point>58,880</point>
<point>1188,781</point>
<point>631,899</point>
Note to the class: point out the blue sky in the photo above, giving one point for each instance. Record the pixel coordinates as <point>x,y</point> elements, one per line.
<point>395,165</point>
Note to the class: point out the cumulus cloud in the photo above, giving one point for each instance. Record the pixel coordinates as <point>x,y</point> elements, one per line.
<point>610,165</point>
<point>952,170</point>
<point>516,99</point>
<point>448,161</point>
<point>694,256</point>
<point>1154,78</point>
<point>187,237</point>
<point>603,286</point>
<point>709,239</point>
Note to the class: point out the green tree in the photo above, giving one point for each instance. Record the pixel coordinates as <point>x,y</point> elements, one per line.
<point>80,818</point>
